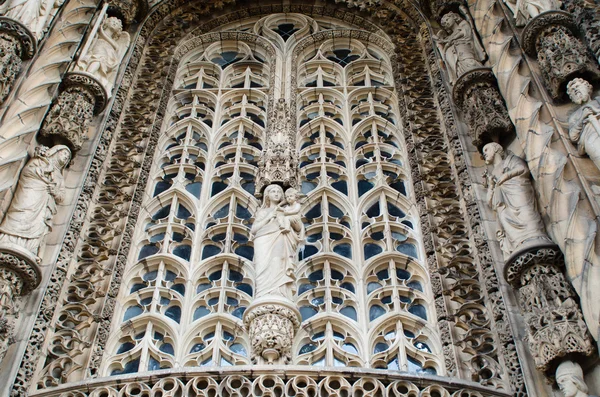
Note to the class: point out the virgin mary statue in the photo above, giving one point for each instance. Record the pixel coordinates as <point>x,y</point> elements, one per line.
<point>276,241</point>
<point>41,186</point>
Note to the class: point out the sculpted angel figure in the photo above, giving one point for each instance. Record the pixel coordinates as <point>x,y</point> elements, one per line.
<point>277,233</point>
<point>459,46</point>
<point>511,196</point>
<point>41,186</point>
<point>584,123</point>
<point>106,52</point>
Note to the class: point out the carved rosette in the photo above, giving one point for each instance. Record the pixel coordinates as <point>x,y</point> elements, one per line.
<point>477,95</point>
<point>17,44</point>
<point>81,97</point>
<point>272,327</point>
<point>19,275</point>
<point>555,325</point>
<point>553,38</point>
<point>129,11</point>
<point>279,161</point>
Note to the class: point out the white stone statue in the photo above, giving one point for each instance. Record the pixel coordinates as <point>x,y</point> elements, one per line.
<point>569,378</point>
<point>104,56</point>
<point>584,123</point>
<point>511,195</point>
<point>34,14</point>
<point>277,233</point>
<point>524,10</point>
<point>40,187</point>
<point>459,46</point>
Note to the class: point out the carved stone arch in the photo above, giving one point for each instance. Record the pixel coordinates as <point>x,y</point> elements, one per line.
<point>167,34</point>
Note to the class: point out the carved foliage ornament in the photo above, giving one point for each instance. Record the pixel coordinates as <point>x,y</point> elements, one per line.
<point>552,37</point>
<point>16,44</point>
<point>476,94</point>
<point>555,325</point>
<point>71,113</point>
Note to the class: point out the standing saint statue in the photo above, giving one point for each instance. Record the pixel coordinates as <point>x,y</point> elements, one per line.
<point>569,378</point>
<point>459,46</point>
<point>511,196</point>
<point>277,232</point>
<point>584,123</point>
<point>106,52</point>
<point>524,10</point>
<point>41,186</point>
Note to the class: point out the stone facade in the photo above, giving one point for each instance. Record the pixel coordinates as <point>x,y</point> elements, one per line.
<point>221,197</point>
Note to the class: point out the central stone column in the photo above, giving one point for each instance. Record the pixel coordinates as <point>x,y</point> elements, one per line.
<point>273,319</point>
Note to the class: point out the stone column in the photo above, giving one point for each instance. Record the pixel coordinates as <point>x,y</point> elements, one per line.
<point>555,326</point>
<point>81,97</point>
<point>553,38</point>
<point>17,44</point>
<point>476,94</point>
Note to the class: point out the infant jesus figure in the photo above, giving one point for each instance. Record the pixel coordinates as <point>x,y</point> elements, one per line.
<point>288,213</point>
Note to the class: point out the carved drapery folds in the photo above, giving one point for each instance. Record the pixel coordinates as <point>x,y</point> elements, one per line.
<point>67,121</point>
<point>552,38</point>
<point>555,325</point>
<point>476,94</point>
<point>279,161</point>
<point>17,44</point>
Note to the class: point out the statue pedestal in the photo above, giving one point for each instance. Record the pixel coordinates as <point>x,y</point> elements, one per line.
<point>272,323</point>
<point>555,325</point>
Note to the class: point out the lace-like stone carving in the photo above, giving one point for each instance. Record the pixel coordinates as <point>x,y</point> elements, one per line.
<point>279,162</point>
<point>130,11</point>
<point>67,122</point>
<point>587,14</point>
<point>553,39</point>
<point>272,328</point>
<point>16,44</point>
<point>476,94</point>
<point>555,324</point>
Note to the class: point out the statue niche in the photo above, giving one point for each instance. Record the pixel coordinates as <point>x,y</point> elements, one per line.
<point>40,187</point>
<point>511,196</point>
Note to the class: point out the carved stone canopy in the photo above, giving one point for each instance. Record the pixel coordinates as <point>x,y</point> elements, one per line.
<point>477,95</point>
<point>554,39</point>
<point>129,11</point>
<point>81,97</point>
<point>26,39</point>
<point>437,8</point>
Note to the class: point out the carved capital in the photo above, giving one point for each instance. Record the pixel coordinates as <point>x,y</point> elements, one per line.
<point>555,324</point>
<point>129,11</point>
<point>477,95</point>
<point>553,38</point>
<point>272,327</point>
<point>67,121</point>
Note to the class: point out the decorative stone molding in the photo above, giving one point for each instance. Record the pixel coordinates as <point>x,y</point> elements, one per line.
<point>476,94</point>
<point>279,161</point>
<point>272,328</point>
<point>273,380</point>
<point>129,11</point>
<point>67,122</point>
<point>555,325</point>
<point>17,44</point>
<point>552,37</point>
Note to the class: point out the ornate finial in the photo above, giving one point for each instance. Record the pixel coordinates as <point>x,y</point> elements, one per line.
<point>279,162</point>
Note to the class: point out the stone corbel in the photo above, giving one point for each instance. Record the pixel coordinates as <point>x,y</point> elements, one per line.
<point>81,97</point>
<point>476,94</point>
<point>553,39</point>
<point>555,326</point>
<point>17,44</point>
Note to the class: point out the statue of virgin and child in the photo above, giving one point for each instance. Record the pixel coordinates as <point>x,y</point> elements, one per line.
<point>278,233</point>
